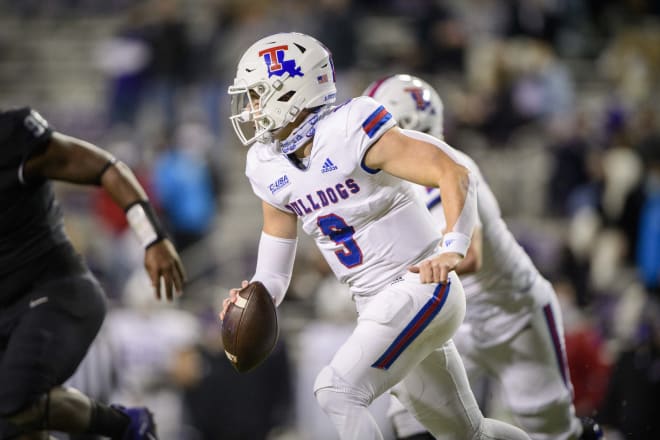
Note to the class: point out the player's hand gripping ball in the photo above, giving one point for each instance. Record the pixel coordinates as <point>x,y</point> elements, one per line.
<point>249,328</point>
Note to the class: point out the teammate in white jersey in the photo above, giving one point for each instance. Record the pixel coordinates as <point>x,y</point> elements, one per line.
<point>513,327</point>
<point>344,172</point>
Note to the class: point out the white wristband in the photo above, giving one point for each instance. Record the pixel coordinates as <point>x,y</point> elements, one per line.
<point>141,224</point>
<point>455,242</point>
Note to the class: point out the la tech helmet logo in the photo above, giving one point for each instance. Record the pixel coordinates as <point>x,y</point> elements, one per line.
<point>277,65</point>
<point>417,94</point>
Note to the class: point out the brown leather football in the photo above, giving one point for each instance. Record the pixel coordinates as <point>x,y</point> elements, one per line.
<point>250,330</point>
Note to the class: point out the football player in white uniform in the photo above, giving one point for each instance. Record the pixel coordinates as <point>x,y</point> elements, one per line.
<point>344,171</point>
<point>513,327</point>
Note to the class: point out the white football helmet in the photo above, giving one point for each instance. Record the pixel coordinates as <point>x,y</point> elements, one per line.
<point>412,101</point>
<point>277,77</point>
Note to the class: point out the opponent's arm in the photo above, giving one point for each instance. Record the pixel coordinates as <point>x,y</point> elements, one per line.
<point>425,164</point>
<point>76,161</point>
<point>277,252</point>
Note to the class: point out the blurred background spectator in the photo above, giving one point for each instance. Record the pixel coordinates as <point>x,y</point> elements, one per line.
<point>226,404</point>
<point>155,345</point>
<point>558,102</point>
<point>630,406</point>
<point>184,184</point>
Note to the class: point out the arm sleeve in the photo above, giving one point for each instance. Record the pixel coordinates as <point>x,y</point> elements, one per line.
<point>275,264</point>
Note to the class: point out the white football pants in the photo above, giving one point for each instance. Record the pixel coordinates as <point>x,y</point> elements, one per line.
<point>531,370</point>
<point>403,336</point>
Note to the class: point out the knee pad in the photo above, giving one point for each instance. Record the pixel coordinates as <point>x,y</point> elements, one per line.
<point>556,420</point>
<point>325,379</point>
<point>334,394</point>
<point>491,429</point>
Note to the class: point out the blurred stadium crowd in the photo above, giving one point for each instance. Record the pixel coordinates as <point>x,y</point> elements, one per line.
<point>557,101</point>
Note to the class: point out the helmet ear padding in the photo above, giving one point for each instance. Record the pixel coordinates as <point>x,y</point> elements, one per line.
<point>411,101</point>
<point>289,72</point>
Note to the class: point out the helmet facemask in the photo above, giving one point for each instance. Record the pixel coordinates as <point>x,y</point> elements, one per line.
<point>249,122</point>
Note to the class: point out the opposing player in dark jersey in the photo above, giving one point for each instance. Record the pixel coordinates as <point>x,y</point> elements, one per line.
<point>51,306</point>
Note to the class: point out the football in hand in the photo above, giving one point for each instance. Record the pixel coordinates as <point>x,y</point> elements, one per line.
<point>250,330</point>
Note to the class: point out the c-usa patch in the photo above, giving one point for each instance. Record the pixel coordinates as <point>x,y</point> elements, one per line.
<point>279,184</point>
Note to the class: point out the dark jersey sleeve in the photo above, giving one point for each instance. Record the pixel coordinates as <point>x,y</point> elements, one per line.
<point>23,133</point>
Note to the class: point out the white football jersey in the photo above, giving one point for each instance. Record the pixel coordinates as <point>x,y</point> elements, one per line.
<point>369,225</point>
<point>500,300</point>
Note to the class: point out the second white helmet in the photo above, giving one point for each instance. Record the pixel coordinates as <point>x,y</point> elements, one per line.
<point>278,77</point>
<point>412,101</point>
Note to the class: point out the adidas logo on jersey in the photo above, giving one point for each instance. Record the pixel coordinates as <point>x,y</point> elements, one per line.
<point>328,166</point>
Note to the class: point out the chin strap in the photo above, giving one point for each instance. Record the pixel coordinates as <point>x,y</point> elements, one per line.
<point>306,130</point>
